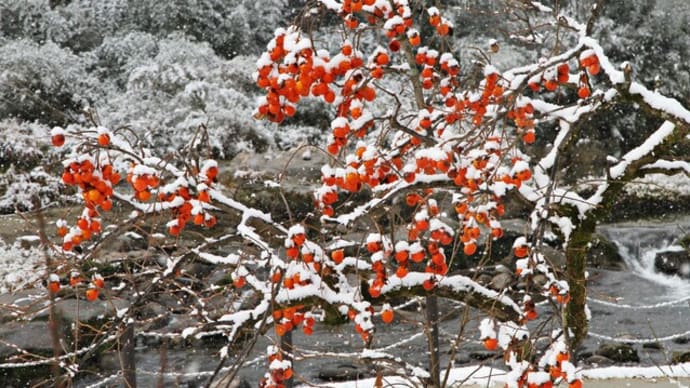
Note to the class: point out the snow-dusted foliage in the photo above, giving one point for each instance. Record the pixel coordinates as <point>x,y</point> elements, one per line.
<point>21,268</point>
<point>230,27</point>
<point>161,69</point>
<point>43,82</point>
<point>24,179</point>
<point>647,34</point>
<point>21,192</point>
<point>183,85</point>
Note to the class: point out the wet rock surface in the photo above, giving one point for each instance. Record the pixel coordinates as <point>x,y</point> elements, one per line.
<point>597,360</point>
<point>674,261</point>
<point>604,254</point>
<point>344,372</point>
<point>680,357</point>
<point>619,352</point>
<point>31,336</point>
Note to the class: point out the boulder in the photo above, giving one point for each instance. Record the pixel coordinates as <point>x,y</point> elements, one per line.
<point>29,241</point>
<point>679,357</point>
<point>598,361</point>
<point>604,254</point>
<point>297,169</point>
<point>618,352</point>
<point>682,340</point>
<point>481,355</point>
<point>673,261</point>
<point>272,181</point>
<point>30,336</point>
<point>343,372</point>
<point>72,310</point>
<point>501,281</point>
<point>653,346</point>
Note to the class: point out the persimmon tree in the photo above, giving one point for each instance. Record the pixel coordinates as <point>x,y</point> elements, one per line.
<point>444,140</point>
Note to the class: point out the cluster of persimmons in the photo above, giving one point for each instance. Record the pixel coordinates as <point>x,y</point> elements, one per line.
<point>95,176</point>
<point>466,139</point>
<point>453,138</point>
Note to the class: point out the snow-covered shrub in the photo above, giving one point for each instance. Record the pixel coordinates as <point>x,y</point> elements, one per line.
<point>79,25</point>
<point>27,166</point>
<point>19,145</point>
<point>119,53</point>
<point>168,96</point>
<point>652,36</point>
<point>20,268</point>
<point>41,82</point>
<point>231,27</point>
<point>26,191</point>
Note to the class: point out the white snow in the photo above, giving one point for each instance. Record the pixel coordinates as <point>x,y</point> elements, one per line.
<point>642,150</point>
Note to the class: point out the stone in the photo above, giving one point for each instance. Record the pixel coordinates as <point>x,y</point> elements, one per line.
<point>29,241</point>
<point>618,352</point>
<point>556,256</point>
<point>462,359</point>
<point>681,340</point>
<point>484,279</point>
<point>72,309</point>
<point>501,281</point>
<point>342,372</point>
<point>653,346</point>
<point>29,336</point>
<point>18,303</point>
<point>481,355</point>
<point>539,279</point>
<point>604,254</point>
<point>679,357</point>
<point>288,166</point>
<point>583,354</point>
<point>673,261</point>
<point>598,360</point>
<point>129,241</point>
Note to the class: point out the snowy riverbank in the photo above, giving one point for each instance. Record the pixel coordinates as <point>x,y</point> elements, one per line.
<point>616,376</point>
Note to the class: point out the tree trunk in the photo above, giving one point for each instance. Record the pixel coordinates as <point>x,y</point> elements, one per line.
<point>575,319</point>
<point>163,351</point>
<point>53,315</point>
<point>432,340</point>
<point>127,359</point>
<point>54,327</point>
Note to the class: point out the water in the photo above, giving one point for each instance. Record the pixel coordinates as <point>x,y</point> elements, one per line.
<point>638,244</point>
<point>643,304</point>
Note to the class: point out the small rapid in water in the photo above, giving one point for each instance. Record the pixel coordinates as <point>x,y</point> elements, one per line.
<point>638,244</point>
<point>640,305</point>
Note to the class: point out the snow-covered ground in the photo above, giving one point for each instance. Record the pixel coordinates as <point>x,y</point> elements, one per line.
<point>654,185</point>
<point>616,376</point>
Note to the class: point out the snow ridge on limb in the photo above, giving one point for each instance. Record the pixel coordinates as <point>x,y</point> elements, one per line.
<point>460,288</point>
<point>643,149</point>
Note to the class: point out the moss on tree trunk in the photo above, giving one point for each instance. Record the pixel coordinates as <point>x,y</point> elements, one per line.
<point>575,319</point>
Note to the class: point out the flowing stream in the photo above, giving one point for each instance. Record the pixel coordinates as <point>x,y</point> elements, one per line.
<point>638,244</point>
<point>641,305</point>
